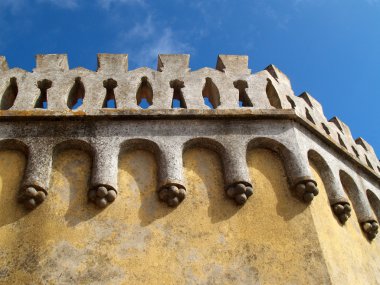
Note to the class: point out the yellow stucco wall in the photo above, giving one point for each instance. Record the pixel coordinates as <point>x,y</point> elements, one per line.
<point>138,240</point>
<point>350,258</point>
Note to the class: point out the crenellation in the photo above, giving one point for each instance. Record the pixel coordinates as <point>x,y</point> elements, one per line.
<point>3,64</point>
<point>256,91</point>
<point>28,92</point>
<point>368,154</point>
<point>51,63</point>
<point>173,64</point>
<point>364,144</point>
<point>312,102</point>
<point>57,94</point>
<point>112,63</point>
<point>338,123</point>
<point>279,76</point>
<point>224,94</point>
<point>129,170</point>
<point>234,65</point>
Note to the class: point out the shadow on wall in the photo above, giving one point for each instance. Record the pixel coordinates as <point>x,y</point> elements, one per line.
<point>319,163</point>
<point>12,165</point>
<point>375,203</point>
<point>138,176</point>
<point>71,168</point>
<point>351,190</point>
<point>203,168</point>
<point>270,166</point>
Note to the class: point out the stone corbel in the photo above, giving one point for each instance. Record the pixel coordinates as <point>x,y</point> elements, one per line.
<point>360,204</point>
<point>335,193</point>
<point>367,220</point>
<point>342,210</point>
<point>301,182</point>
<point>236,176</point>
<point>103,185</point>
<point>337,197</point>
<point>35,183</point>
<point>371,228</point>
<point>171,189</point>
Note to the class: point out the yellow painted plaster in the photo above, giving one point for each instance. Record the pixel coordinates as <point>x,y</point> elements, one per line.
<point>138,240</point>
<point>350,257</point>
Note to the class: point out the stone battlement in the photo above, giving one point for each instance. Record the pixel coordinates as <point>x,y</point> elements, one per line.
<point>226,109</point>
<point>231,89</point>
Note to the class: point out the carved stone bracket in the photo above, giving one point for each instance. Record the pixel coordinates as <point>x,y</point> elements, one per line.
<point>240,192</point>
<point>306,189</point>
<point>371,229</point>
<point>32,196</point>
<point>172,194</point>
<point>342,210</point>
<point>102,195</point>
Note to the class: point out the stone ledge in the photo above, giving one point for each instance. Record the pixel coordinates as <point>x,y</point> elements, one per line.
<point>184,114</point>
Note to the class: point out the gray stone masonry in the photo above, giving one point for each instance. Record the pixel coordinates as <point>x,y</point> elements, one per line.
<point>55,108</point>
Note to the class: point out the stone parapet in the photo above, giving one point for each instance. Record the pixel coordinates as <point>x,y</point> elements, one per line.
<point>227,109</point>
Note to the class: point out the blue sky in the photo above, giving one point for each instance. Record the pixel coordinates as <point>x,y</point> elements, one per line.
<point>330,48</point>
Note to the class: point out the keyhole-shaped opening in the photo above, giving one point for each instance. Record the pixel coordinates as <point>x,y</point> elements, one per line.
<point>355,151</point>
<point>109,100</point>
<point>368,162</point>
<point>308,116</point>
<point>42,101</point>
<point>178,99</point>
<point>211,94</point>
<point>244,100</point>
<point>144,95</point>
<point>273,97</point>
<point>341,141</point>
<point>10,94</point>
<point>291,102</point>
<point>76,95</point>
<point>327,131</point>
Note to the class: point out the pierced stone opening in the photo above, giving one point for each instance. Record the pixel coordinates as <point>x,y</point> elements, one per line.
<point>378,168</point>
<point>144,95</point>
<point>76,95</point>
<point>327,131</point>
<point>368,162</point>
<point>339,126</point>
<point>341,142</point>
<point>308,116</point>
<point>306,98</point>
<point>211,94</point>
<point>42,101</point>
<point>360,142</point>
<point>9,95</point>
<point>355,151</point>
<point>290,100</point>
<point>178,99</point>
<point>273,97</point>
<point>109,100</point>
<point>244,100</point>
